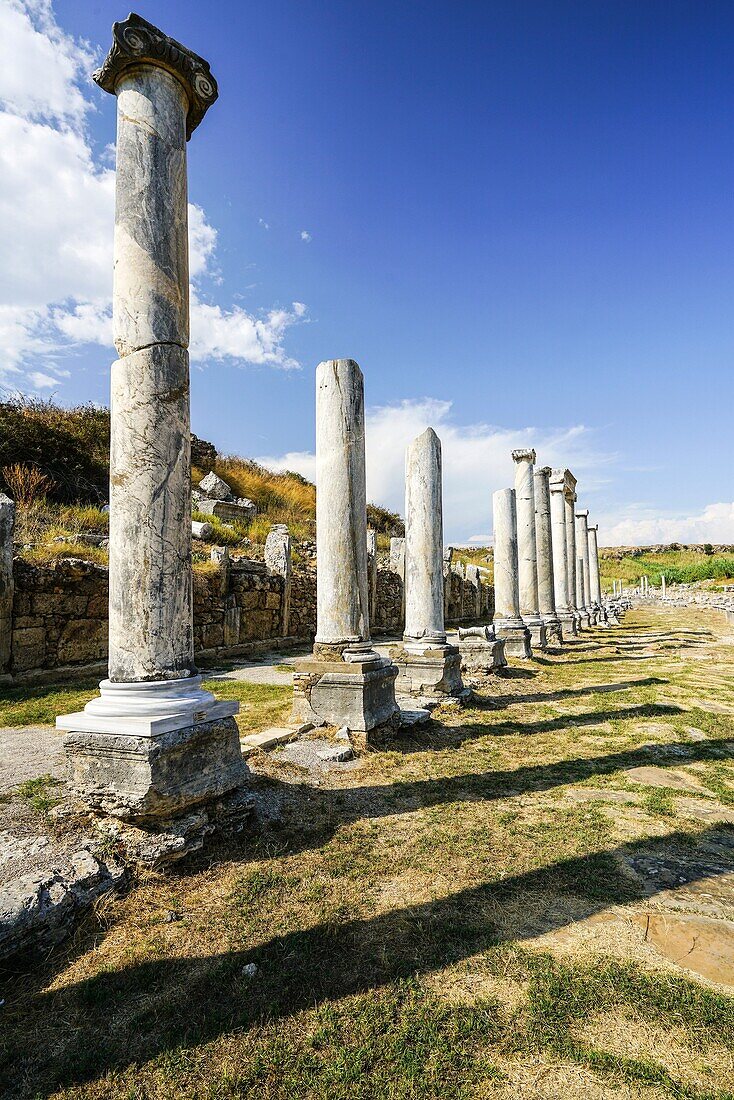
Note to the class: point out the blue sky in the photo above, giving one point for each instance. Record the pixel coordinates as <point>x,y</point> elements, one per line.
<point>518,219</point>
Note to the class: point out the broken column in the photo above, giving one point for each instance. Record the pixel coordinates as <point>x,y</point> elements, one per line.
<point>7,583</point>
<point>526,546</point>
<point>372,573</point>
<point>564,609</point>
<point>278,560</point>
<point>397,565</point>
<point>347,683</point>
<point>571,555</point>
<point>427,664</point>
<point>153,742</point>
<point>544,550</point>
<point>508,623</point>
<point>582,549</point>
<point>662,586</point>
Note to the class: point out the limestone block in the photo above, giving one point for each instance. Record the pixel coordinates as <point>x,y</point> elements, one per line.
<point>138,778</point>
<point>201,530</point>
<point>215,488</point>
<point>436,673</point>
<point>241,510</point>
<point>358,697</point>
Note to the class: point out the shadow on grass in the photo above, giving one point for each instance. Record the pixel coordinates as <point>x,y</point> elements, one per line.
<point>118,1018</point>
<point>570,693</point>
<point>437,736</point>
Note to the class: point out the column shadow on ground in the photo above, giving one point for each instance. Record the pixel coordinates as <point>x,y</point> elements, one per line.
<point>118,1018</point>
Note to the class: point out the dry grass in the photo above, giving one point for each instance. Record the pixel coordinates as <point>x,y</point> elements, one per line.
<point>440,919</point>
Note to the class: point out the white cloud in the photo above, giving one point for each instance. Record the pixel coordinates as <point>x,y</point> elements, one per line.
<point>41,381</point>
<point>645,527</point>
<point>57,213</point>
<point>305,236</point>
<point>263,223</point>
<point>476,461</point>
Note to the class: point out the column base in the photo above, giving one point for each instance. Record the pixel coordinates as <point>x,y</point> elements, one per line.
<point>553,631</point>
<point>583,620</point>
<point>358,695</point>
<point>568,623</point>
<point>516,637</point>
<point>142,751</point>
<point>479,656</point>
<point>436,671</point>
<point>538,633</point>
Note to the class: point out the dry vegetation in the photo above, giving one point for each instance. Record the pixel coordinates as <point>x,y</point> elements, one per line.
<point>455,916</point>
<point>54,463</point>
<point>679,566</point>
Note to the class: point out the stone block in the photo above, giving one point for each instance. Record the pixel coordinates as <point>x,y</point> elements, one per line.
<point>434,673</point>
<point>215,488</point>
<point>137,778</point>
<point>29,649</point>
<point>360,697</point>
<point>82,640</point>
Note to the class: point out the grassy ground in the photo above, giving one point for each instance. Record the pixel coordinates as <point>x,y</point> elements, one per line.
<point>261,705</point>
<point>454,916</point>
<point>679,567</point>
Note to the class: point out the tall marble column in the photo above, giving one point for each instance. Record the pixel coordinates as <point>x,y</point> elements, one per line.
<point>508,623</point>
<point>595,576</point>
<point>526,546</point>
<point>544,550</point>
<point>427,664</point>
<point>582,551</point>
<point>571,554</point>
<point>348,683</point>
<point>564,609</point>
<point>153,742</point>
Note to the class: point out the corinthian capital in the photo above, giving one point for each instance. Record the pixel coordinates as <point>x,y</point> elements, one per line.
<point>523,454</point>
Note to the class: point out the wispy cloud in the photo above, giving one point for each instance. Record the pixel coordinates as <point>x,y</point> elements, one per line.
<point>57,212</point>
<point>305,236</point>
<point>476,460</point>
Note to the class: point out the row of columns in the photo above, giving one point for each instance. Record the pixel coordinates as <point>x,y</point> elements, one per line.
<point>154,742</point>
<point>546,560</point>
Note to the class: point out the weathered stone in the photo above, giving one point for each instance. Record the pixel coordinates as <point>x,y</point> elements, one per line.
<point>201,530</point>
<point>426,663</point>
<point>213,487</point>
<point>153,742</point>
<point>544,551</point>
<point>7,586</point>
<point>278,561</point>
<point>583,601</point>
<point>564,604</point>
<point>349,683</point>
<point>526,546</point>
<point>241,510</point>
<point>136,777</point>
<point>507,621</point>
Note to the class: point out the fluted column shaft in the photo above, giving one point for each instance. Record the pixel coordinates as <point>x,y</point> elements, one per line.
<point>595,577</point>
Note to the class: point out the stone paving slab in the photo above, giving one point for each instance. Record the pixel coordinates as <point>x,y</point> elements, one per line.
<point>29,752</point>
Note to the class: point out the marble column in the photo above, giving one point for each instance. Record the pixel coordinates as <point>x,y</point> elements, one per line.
<point>570,503</point>
<point>508,623</point>
<point>544,550</point>
<point>348,683</point>
<point>564,609</point>
<point>582,552</point>
<point>526,546</point>
<point>427,664</point>
<point>594,575</point>
<point>662,586</point>
<point>154,742</point>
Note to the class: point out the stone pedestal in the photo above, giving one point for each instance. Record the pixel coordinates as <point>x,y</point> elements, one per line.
<point>526,547</point>
<point>427,664</point>
<point>544,550</point>
<point>153,743</point>
<point>508,625</point>
<point>347,683</point>
<point>481,652</point>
